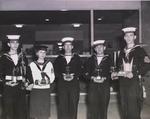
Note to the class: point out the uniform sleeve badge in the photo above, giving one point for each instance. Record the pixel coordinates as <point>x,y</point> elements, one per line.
<point>52,70</point>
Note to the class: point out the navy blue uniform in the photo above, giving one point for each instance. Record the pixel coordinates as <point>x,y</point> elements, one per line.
<point>98,92</point>
<point>130,88</point>
<point>14,97</point>
<point>67,91</point>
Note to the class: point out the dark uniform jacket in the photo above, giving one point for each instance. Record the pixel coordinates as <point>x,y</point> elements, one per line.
<point>8,68</point>
<point>74,67</point>
<point>91,67</point>
<point>141,61</point>
<point>131,90</point>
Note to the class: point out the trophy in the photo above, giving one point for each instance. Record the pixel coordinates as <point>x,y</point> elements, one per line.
<point>68,76</point>
<point>36,82</point>
<point>23,70</point>
<point>43,81</point>
<point>114,73</point>
<point>127,66</point>
<point>99,79</point>
<point>24,83</point>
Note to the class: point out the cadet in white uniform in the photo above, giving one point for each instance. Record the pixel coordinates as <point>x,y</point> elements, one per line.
<point>43,76</point>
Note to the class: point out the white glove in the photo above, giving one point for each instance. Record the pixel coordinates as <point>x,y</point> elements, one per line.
<point>29,87</point>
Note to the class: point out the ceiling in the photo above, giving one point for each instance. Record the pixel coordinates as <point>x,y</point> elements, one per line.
<point>64,17</point>
<point>11,5</point>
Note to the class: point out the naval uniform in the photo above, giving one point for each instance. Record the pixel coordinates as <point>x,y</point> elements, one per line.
<point>136,60</point>
<point>98,92</point>
<point>43,76</point>
<point>13,69</point>
<point>67,91</point>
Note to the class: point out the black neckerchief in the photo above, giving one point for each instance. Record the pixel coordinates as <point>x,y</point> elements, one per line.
<point>132,49</point>
<point>44,65</point>
<point>8,56</point>
<point>126,56</point>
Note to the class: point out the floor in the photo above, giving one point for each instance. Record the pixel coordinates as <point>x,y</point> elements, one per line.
<point>112,111</point>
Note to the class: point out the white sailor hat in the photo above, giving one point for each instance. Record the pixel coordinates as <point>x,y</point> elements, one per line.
<point>13,37</point>
<point>129,29</point>
<point>98,42</point>
<point>67,39</point>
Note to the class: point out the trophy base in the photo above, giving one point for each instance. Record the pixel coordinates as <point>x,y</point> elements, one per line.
<point>99,79</point>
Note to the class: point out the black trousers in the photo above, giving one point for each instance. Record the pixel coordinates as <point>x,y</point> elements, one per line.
<point>68,98</point>
<point>98,100</point>
<point>14,103</point>
<point>130,98</point>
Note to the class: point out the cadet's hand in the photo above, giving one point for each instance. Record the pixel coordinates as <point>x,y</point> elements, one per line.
<point>11,83</point>
<point>129,75</point>
<point>98,80</point>
<point>48,81</point>
<point>114,75</point>
<point>68,77</point>
<point>29,87</point>
<point>93,77</point>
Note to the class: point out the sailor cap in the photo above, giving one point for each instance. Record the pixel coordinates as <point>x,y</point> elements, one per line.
<point>67,39</point>
<point>13,37</point>
<point>97,42</point>
<point>41,47</point>
<point>129,29</point>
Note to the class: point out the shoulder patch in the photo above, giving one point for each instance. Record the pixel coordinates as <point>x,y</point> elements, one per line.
<point>52,70</point>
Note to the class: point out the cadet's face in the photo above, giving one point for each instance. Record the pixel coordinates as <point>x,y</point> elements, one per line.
<point>41,54</point>
<point>68,47</point>
<point>99,49</point>
<point>129,38</point>
<point>13,45</point>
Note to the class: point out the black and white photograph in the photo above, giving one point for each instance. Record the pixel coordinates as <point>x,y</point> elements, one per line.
<point>74,59</point>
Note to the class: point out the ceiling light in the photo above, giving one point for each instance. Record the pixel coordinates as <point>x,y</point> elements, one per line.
<point>13,37</point>
<point>47,19</point>
<point>99,19</point>
<point>60,47</point>
<point>63,10</point>
<point>59,43</point>
<point>76,25</point>
<point>19,25</point>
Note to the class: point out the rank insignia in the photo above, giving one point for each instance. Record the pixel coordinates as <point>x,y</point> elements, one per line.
<point>52,70</point>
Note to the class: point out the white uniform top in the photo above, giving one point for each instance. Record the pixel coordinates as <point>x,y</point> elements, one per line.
<point>36,73</point>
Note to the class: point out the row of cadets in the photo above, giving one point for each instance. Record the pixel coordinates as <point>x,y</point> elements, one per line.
<point>67,68</point>
<point>132,64</point>
<point>43,76</point>
<point>97,71</point>
<point>16,77</point>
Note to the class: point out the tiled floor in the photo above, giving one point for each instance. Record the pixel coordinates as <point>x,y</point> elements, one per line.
<point>112,111</point>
